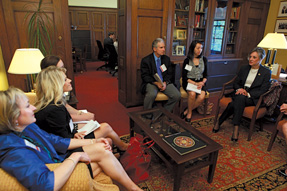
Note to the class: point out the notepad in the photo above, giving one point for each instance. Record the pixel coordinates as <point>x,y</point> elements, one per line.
<point>192,87</point>
<point>89,127</point>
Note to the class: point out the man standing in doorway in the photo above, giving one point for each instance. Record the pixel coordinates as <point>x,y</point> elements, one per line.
<point>158,63</point>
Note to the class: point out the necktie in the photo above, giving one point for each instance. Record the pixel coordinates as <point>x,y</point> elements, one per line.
<point>158,68</point>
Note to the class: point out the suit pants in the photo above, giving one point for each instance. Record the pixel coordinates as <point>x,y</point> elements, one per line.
<point>171,92</point>
<point>236,107</point>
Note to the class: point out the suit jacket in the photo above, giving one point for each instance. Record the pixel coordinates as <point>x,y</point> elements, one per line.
<point>108,41</point>
<point>148,69</point>
<point>27,163</point>
<point>55,119</point>
<point>260,84</point>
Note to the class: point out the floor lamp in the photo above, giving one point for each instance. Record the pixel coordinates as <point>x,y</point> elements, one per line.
<point>26,61</point>
<point>273,41</point>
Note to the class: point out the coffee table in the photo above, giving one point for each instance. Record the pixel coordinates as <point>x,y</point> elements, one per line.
<point>158,123</point>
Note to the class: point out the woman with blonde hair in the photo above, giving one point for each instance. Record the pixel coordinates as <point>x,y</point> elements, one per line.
<point>52,115</point>
<point>25,149</point>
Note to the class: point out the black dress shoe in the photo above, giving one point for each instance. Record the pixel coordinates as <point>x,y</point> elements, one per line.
<point>282,172</point>
<point>188,120</point>
<point>234,139</point>
<point>182,115</point>
<point>216,130</point>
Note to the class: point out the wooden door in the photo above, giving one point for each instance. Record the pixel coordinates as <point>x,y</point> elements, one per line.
<point>140,22</point>
<point>254,25</point>
<point>14,34</point>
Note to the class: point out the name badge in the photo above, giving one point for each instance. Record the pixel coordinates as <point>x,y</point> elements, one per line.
<point>29,144</point>
<point>188,67</point>
<point>163,68</point>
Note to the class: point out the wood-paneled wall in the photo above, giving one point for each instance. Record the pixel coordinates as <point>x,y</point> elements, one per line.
<point>98,21</point>
<point>14,34</point>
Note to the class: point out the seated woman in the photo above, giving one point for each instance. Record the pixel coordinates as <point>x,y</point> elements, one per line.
<point>75,114</point>
<point>194,72</point>
<point>252,81</point>
<point>25,149</point>
<point>51,113</point>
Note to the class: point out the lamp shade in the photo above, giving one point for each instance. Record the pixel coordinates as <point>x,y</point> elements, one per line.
<point>26,61</point>
<point>273,40</point>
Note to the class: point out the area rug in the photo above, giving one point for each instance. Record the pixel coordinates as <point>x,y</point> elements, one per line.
<point>244,165</point>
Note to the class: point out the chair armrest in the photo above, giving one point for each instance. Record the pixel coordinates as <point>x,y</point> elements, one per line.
<point>80,179</point>
<point>222,93</point>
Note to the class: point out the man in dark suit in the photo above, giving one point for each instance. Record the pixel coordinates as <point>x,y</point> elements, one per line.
<point>158,63</point>
<point>252,81</point>
<point>109,40</point>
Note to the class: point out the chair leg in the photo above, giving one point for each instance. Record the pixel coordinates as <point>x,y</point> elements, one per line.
<point>205,106</point>
<point>216,114</point>
<point>272,139</point>
<point>251,129</point>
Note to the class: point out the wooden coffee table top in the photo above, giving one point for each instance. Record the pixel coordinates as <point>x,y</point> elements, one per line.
<point>157,123</point>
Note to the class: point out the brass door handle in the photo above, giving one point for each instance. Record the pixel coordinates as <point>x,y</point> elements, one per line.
<point>60,37</point>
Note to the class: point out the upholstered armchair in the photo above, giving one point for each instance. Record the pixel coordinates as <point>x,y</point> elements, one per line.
<point>254,113</point>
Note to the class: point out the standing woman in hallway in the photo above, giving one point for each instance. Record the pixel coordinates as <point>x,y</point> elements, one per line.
<point>252,81</point>
<point>194,72</point>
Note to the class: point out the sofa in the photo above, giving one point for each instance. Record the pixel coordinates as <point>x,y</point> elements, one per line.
<point>80,180</point>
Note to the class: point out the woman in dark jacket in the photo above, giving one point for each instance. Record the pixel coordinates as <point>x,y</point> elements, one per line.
<point>252,81</point>
<point>194,74</point>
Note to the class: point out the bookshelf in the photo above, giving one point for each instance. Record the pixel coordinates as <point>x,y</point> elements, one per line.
<point>200,20</point>
<point>233,28</point>
<point>180,27</point>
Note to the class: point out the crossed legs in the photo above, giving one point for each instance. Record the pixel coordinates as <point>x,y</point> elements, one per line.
<point>105,159</point>
<point>106,131</point>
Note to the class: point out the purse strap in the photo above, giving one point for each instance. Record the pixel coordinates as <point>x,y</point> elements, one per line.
<point>151,142</point>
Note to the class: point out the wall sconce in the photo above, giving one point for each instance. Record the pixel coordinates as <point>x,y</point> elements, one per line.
<point>273,41</point>
<point>26,61</point>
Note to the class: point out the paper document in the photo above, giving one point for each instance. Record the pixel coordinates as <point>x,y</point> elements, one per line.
<point>90,127</point>
<point>193,88</point>
<point>157,78</point>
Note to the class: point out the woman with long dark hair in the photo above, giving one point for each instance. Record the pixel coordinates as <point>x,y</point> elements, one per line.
<point>194,73</point>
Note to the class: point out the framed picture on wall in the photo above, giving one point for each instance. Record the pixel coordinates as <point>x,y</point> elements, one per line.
<point>179,50</point>
<point>281,26</point>
<point>282,12</point>
<point>181,34</point>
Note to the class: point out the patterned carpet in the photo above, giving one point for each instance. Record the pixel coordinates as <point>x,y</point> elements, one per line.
<point>245,165</point>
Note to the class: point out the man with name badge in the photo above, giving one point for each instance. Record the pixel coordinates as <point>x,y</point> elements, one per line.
<point>156,74</point>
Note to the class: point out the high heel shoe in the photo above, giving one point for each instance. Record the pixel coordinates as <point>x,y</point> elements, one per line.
<point>217,129</point>
<point>234,139</point>
<point>188,120</point>
<point>235,131</point>
<point>182,115</point>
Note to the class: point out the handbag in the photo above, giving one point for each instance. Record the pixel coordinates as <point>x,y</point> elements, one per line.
<point>136,159</point>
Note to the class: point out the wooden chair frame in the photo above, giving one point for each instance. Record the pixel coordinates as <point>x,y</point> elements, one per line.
<point>275,131</point>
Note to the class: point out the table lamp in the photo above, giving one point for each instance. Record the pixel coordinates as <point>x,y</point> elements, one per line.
<point>26,61</point>
<point>273,41</point>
